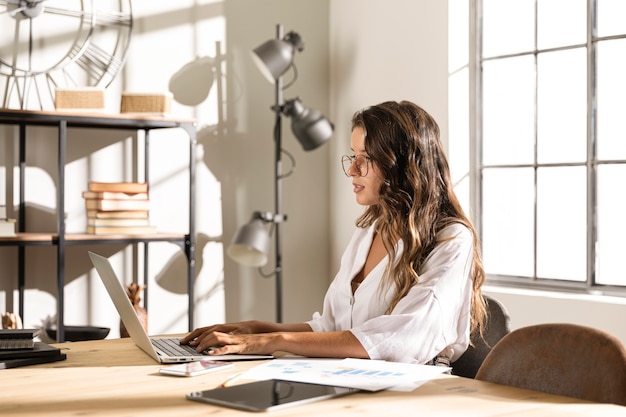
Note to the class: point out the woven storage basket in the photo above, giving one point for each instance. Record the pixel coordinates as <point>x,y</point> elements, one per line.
<point>79,99</point>
<point>145,103</point>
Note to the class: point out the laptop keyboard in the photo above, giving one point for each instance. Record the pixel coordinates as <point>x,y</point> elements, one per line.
<point>172,347</point>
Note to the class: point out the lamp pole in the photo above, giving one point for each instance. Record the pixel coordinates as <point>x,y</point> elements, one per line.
<point>311,129</point>
<point>278,215</point>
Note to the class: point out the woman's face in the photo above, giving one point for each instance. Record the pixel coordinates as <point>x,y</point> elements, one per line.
<point>366,188</point>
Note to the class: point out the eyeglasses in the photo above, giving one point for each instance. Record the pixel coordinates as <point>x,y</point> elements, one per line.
<point>361,163</point>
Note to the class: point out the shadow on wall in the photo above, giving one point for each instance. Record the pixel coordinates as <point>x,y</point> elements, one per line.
<point>169,277</point>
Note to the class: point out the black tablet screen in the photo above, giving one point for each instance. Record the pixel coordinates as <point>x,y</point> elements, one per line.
<point>269,394</point>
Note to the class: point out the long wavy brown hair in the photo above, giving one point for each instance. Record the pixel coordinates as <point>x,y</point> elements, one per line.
<point>417,199</point>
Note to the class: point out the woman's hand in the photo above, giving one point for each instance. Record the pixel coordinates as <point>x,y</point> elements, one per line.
<point>251,337</point>
<point>261,338</point>
<point>204,338</point>
<point>225,343</point>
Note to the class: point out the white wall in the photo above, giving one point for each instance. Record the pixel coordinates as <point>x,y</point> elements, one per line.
<point>235,173</point>
<point>248,169</point>
<point>388,50</point>
<point>528,307</point>
<point>357,53</point>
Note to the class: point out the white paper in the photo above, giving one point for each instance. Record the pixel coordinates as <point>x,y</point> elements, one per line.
<point>363,374</point>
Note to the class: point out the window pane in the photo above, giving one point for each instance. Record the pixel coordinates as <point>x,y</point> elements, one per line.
<point>534,105</point>
<point>562,106</point>
<point>611,92</point>
<point>462,191</point>
<point>610,259</point>
<point>508,111</point>
<point>561,223</point>
<point>458,30</point>
<point>611,17</point>
<point>561,23</point>
<point>508,27</point>
<point>459,127</point>
<point>508,219</point>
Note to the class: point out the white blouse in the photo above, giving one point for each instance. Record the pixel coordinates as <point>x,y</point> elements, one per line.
<point>432,317</point>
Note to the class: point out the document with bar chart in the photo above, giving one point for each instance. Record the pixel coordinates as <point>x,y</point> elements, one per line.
<point>363,374</point>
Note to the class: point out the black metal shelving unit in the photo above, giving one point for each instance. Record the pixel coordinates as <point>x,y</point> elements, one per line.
<point>64,121</point>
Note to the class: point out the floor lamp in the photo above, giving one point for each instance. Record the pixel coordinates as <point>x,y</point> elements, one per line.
<point>250,244</point>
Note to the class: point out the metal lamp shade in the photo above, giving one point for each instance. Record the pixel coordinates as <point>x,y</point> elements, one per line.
<point>311,128</point>
<point>250,244</point>
<point>273,58</point>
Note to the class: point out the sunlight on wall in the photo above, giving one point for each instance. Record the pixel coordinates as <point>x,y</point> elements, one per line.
<point>458,99</point>
<point>181,31</point>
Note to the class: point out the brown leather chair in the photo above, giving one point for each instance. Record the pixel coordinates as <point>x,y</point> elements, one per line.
<point>496,327</point>
<point>563,359</point>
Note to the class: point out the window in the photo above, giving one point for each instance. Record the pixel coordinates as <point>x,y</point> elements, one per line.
<point>551,142</point>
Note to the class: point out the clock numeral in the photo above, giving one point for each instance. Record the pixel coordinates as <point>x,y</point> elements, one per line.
<point>27,89</point>
<point>10,84</point>
<point>97,62</point>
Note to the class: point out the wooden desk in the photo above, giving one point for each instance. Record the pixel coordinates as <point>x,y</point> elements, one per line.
<point>115,378</point>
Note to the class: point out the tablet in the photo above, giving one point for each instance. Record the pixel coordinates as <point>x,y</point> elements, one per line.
<point>268,395</point>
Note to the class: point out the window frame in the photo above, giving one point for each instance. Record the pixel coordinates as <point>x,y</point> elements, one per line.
<point>589,286</point>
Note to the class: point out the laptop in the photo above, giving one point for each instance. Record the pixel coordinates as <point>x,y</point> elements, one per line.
<point>161,349</point>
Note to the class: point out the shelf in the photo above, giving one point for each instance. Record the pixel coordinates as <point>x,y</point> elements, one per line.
<point>33,239</point>
<point>28,239</point>
<point>153,237</point>
<point>132,121</point>
<point>62,121</point>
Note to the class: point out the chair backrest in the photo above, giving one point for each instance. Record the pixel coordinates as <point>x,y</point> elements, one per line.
<point>496,327</point>
<point>564,359</point>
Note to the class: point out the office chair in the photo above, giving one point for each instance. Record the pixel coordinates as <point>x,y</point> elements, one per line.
<point>563,359</point>
<point>497,326</point>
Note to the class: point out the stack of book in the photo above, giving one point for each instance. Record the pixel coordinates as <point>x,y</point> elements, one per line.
<point>7,226</point>
<point>118,208</point>
<point>18,348</point>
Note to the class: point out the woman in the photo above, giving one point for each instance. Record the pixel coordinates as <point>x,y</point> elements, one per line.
<point>420,307</point>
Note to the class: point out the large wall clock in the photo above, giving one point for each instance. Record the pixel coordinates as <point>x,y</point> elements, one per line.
<point>50,44</point>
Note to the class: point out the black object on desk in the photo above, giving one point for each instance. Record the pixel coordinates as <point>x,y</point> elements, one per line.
<point>40,353</point>
<point>269,395</point>
<point>13,339</point>
<point>80,333</point>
